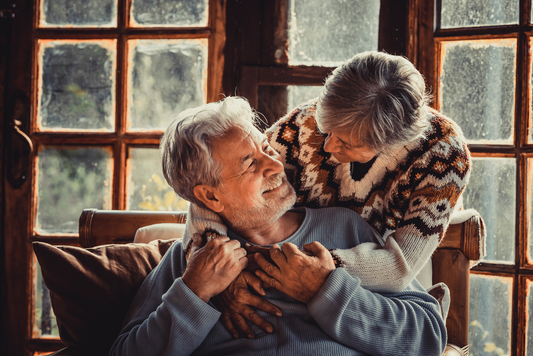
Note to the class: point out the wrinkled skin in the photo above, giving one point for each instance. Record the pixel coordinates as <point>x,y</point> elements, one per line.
<point>235,301</point>
<point>213,267</point>
<point>296,273</point>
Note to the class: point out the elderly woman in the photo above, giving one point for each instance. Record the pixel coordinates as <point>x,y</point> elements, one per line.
<point>372,144</point>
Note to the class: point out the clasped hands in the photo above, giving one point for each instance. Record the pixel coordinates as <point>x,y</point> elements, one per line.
<point>218,270</point>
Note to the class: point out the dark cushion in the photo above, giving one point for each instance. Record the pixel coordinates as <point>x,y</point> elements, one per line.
<point>91,289</point>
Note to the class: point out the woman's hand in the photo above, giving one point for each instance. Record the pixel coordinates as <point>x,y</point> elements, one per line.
<point>299,274</point>
<point>235,301</point>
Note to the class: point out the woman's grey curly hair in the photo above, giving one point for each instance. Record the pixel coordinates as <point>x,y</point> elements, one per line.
<point>379,98</point>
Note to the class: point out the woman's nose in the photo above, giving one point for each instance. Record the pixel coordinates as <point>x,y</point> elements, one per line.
<point>331,144</point>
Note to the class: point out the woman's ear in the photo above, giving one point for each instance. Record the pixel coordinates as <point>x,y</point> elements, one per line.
<point>209,196</point>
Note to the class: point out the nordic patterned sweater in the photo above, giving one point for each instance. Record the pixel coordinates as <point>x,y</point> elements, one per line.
<point>407,196</point>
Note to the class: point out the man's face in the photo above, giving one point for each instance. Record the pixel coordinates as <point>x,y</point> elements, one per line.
<point>254,189</point>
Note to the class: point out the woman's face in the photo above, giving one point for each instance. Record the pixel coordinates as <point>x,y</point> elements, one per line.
<point>347,150</point>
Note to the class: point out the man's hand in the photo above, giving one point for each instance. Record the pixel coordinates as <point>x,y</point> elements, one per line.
<point>212,268</point>
<point>234,304</point>
<point>297,274</point>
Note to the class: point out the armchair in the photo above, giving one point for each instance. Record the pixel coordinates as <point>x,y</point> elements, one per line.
<point>450,263</point>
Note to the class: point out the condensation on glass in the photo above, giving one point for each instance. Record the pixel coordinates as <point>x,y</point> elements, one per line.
<point>165,77</point>
<point>491,190</point>
<point>169,13</point>
<point>78,13</point>
<point>477,88</point>
<point>147,188</point>
<point>461,13</point>
<point>327,33</point>
<point>44,319</point>
<point>76,85</point>
<point>529,317</point>
<point>490,315</point>
<point>70,179</point>
<point>529,182</point>
<point>298,94</point>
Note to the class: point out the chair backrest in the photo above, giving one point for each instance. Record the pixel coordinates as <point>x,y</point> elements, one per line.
<point>451,261</point>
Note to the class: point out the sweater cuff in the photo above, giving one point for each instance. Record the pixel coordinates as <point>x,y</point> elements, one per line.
<point>199,316</point>
<point>338,290</point>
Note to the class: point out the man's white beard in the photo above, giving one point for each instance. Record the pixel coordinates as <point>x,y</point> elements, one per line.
<point>246,217</point>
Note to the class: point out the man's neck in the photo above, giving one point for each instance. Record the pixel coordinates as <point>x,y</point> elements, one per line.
<point>275,231</point>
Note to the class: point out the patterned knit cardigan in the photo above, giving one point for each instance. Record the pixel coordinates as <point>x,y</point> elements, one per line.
<point>408,196</point>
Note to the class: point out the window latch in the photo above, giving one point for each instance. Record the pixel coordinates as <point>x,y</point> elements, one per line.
<point>18,145</point>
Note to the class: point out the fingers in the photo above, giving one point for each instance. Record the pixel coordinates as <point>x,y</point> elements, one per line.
<point>290,249</point>
<point>242,324</point>
<point>318,250</point>
<point>226,321</point>
<point>272,282</point>
<point>265,306</point>
<point>254,281</point>
<point>267,266</point>
<point>257,319</point>
<point>277,255</point>
<point>196,243</point>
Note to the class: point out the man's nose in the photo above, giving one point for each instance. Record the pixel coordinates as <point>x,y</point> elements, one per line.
<point>331,144</point>
<point>272,165</point>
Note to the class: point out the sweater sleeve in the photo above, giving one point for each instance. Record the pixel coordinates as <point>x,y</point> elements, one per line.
<point>404,323</point>
<point>165,315</point>
<point>431,187</point>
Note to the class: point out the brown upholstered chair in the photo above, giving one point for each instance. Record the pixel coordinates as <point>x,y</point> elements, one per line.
<point>451,262</point>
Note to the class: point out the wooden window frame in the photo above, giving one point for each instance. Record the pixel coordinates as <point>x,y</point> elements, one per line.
<point>20,215</point>
<point>520,150</point>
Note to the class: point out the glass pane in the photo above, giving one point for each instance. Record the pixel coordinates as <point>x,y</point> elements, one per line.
<point>44,323</point>
<point>329,32</point>
<point>77,85</point>
<point>529,182</point>
<point>491,190</point>
<point>147,187</point>
<point>489,333</point>
<point>169,13</point>
<point>68,181</point>
<point>477,88</point>
<point>299,94</point>
<point>529,316</point>
<point>165,78</point>
<point>460,13</point>
<point>78,13</point>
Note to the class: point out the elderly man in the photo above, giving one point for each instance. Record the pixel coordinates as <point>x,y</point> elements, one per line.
<point>214,156</point>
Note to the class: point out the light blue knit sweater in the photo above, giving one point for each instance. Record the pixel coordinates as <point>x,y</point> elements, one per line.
<point>167,318</point>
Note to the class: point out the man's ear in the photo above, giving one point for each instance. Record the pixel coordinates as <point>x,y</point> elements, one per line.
<point>209,196</point>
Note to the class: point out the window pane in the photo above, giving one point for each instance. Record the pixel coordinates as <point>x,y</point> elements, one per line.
<point>147,187</point>
<point>77,85</point>
<point>78,13</point>
<point>44,323</point>
<point>460,13</point>
<point>477,88</point>
<point>165,78</point>
<point>68,181</point>
<point>490,315</point>
<point>329,32</point>
<point>529,182</point>
<point>299,94</point>
<point>491,191</point>
<point>529,316</point>
<point>169,13</point>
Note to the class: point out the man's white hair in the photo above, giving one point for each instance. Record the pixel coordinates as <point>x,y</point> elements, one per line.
<point>186,148</point>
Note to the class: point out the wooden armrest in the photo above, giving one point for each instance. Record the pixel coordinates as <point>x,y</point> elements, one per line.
<point>103,227</point>
<point>465,237</point>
